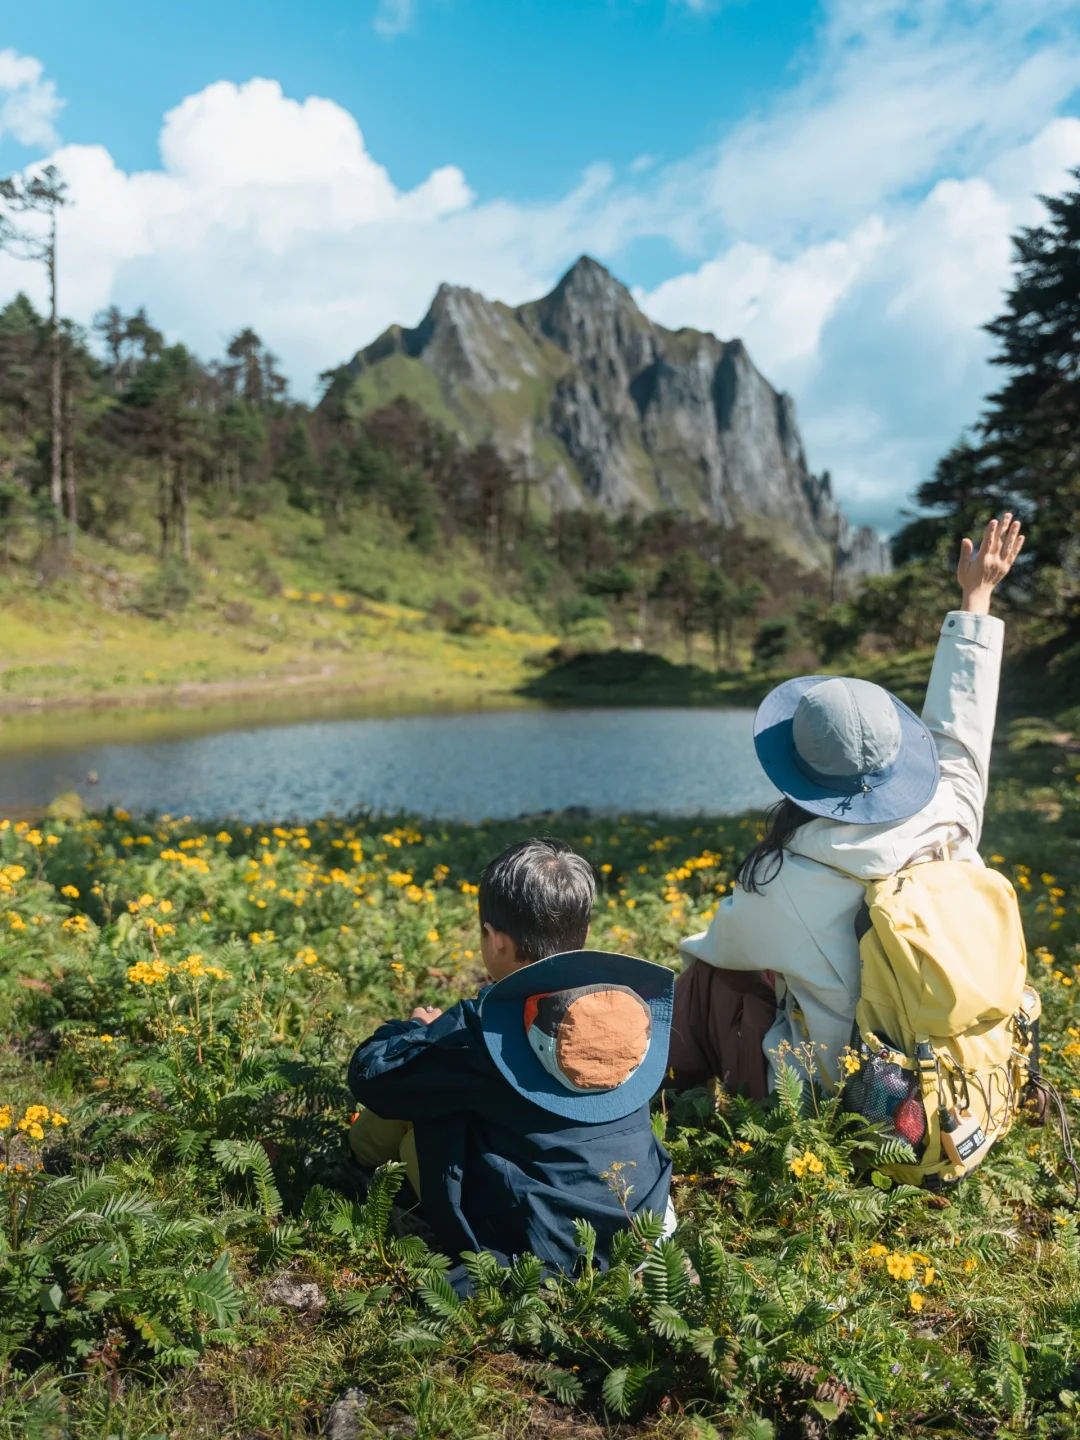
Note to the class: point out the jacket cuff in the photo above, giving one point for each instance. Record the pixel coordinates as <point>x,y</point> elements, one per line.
<point>985,630</point>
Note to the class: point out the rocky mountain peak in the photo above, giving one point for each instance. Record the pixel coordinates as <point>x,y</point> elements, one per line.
<point>603,406</point>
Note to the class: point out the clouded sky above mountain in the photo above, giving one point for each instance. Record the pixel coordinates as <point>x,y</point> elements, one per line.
<point>835,183</point>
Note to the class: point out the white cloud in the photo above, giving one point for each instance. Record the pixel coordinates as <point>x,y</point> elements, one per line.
<point>855,231</point>
<point>777,306</point>
<point>28,102</point>
<point>895,93</point>
<point>394,17</point>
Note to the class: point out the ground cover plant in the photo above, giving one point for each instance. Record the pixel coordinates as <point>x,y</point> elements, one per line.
<point>178,1003</point>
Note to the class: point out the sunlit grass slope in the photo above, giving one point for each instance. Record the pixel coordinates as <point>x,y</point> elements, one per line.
<point>278,605</point>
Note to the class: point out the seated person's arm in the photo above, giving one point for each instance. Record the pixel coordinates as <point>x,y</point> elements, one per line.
<point>416,1067</point>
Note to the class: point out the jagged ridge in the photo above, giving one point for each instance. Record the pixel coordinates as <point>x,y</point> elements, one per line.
<point>605,406</point>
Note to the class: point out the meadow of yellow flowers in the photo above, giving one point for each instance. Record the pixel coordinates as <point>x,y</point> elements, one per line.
<point>178,1001</point>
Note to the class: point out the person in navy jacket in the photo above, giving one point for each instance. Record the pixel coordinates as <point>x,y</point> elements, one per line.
<point>526,1109</point>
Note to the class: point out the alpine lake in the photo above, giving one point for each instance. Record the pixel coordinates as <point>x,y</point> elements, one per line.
<point>300,761</point>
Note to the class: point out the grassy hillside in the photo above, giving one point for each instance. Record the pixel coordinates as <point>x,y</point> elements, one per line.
<point>269,606</point>
<point>179,1004</point>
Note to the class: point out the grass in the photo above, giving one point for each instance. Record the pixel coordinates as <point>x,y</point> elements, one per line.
<point>181,1001</point>
<point>280,610</point>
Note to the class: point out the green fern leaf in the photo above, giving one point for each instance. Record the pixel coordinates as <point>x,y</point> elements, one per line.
<point>525,1276</point>
<point>667,1322</point>
<point>585,1240</point>
<point>382,1192</point>
<point>439,1296</point>
<point>790,1088</point>
<point>755,1427</point>
<point>616,1384</point>
<point>280,1246</point>
<point>483,1269</point>
<point>565,1387</point>
<point>214,1295</point>
<point>418,1337</point>
<point>664,1275</point>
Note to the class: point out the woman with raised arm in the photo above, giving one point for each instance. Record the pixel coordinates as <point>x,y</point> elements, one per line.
<point>868,788</point>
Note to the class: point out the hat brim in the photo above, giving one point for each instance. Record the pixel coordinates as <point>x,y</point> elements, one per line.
<point>907,789</point>
<point>502,1019</point>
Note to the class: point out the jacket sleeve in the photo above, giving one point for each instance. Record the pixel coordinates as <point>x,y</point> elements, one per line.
<point>408,1070</point>
<point>961,707</point>
<point>729,942</point>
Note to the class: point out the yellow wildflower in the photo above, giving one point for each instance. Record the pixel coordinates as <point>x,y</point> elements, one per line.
<point>877,1250</point>
<point>970,1264</point>
<point>900,1267</point>
<point>71,891</point>
<point>805,1163</point>
<point>916,1301</point>
<point>148,972</point>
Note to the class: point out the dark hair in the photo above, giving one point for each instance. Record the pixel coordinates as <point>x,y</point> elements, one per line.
<point>767,857</point>
<point>540,894</point>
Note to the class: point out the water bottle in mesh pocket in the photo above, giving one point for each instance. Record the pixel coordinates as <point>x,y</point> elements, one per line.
<point>888,1095</point>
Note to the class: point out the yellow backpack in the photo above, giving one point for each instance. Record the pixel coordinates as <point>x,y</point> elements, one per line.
<point>946,1030</point>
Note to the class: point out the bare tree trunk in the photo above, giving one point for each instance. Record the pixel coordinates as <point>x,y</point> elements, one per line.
<point>165,501</point>
<point>70,478</point>
<point>55,380</point>
<point>182,505</point>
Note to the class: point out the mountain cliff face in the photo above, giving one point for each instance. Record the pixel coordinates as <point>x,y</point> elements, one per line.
<point>604,406</point>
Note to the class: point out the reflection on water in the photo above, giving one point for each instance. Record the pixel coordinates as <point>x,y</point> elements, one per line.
<point>454,766</point>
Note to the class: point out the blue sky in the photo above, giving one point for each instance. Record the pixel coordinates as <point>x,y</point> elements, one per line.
<point>836,183</point>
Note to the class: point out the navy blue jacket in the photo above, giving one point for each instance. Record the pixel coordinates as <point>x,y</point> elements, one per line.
<point>497,1172</point>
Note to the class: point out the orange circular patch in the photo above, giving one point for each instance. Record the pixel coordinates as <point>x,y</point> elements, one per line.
<point>603,1038</point>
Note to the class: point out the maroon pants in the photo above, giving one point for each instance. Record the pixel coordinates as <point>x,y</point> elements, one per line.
<point>720,1020</point>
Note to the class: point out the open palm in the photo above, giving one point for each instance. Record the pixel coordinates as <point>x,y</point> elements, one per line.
<point>980,570</point>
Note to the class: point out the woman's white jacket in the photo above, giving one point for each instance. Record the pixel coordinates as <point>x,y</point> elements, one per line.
<point>802,924</point>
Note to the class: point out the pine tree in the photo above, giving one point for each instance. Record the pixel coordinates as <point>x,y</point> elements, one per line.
<point>1031,428</point>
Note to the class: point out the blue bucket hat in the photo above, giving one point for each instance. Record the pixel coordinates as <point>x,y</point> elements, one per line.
<point>846,750</point>
<point>583,1035</point>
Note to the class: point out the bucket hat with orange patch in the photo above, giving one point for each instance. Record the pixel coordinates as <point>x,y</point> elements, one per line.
<point>583,1035</point>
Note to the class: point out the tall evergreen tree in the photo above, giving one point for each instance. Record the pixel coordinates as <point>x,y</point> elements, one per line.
<point>1031,427</point>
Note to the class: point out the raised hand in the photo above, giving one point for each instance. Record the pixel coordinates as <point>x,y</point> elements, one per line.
<point>980,570</point>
